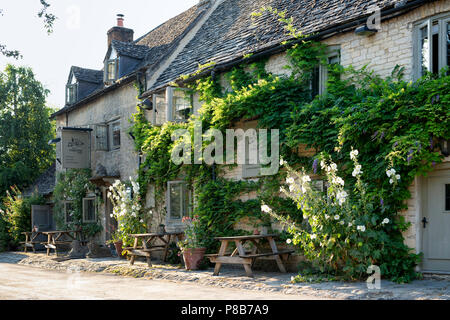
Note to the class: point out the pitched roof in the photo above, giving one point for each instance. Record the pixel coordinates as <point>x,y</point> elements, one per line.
<point>89,75</point>
<point>230,31</point>
<point>45,183</point>
<point>150,48</point>
<point>130,49</point>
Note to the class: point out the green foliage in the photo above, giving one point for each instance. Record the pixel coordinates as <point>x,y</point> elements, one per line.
<point>25,128</point>
<point>5,237</point>
<point>18,213</point>
<point>391,122</point>
<point>73,186</point>
<point>127,210</point>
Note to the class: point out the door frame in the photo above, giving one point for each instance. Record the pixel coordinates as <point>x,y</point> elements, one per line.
<point>421,203</point>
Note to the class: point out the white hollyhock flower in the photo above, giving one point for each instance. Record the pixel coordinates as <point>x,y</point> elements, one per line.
<point>306,179</point>
<point>350,224</point>
<point>397,177</point>
<point>290,180</point>
<point>282,162</point>
<point>313,236</point>
<point>391,181</point>
<point>322,164</point>
<point>336,217</point>
<point>353,154</point>
<point>265,208</point>
<point>333,166</point>
<point>341,222</point>
<point>385,221</point>
<point>361,228</point>
<point>288,241</point>
<point>327,216</point>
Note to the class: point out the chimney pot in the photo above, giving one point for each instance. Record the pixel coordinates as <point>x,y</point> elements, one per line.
<point>120,20</point>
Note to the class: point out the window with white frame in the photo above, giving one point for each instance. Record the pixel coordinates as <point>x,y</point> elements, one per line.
<point>319,75</point>
<point>431,45</point>
<point>89,210</point>
<point>180,104</point>
<point>159,108</point>
<point>111,70</point>
<point>71,93</point>
<point>115,135</point>
<point>178,200</point>
<point>68,211</point>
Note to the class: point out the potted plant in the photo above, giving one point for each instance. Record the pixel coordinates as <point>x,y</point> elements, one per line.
<point>192,246</point>
<point>117,242</point>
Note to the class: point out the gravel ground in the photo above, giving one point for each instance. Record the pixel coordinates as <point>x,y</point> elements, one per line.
<point>432,287</point>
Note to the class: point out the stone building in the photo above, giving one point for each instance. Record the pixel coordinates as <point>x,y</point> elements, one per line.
<point>380,34</point>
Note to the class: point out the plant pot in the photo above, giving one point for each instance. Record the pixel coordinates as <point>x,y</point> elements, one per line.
<point>256,232</point>
<point>118,245</point>
<point>192,257</point>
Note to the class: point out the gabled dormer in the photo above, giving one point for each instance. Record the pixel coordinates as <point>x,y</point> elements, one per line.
<point>81,83</point>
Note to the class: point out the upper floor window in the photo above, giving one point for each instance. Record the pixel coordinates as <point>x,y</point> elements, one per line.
<point>431,45</point>
<point>111,70</point>
<point>179,103</point>
<point>71,93</point>
<point>115,135</point>
<point>107,136</point>
<point>319,76</point>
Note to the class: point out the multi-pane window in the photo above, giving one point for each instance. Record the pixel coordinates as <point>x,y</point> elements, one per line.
<point>319,75</point>
<point>89,210</point>
<point>181,105</point>
<point>179,200</point>
<point>101,137</point>
<point>111,70</point>
<point>68,211</point>
<point>71,93</point>
<point>115,135</point>
<point>432,45</point>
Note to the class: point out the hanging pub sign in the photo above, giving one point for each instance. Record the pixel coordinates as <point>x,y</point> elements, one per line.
<point>76,148</point>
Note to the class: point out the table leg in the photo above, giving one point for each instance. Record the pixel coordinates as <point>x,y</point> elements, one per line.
<point>49,241</point>
<point>273,245</point>
<point>26,242</point>
<point>148,257</point>
<point>254,251</point>
<point>134,247</point>
<point>54,243</point>
<point>241,250</point>
<point>166,248</point>
<point>222,250</point>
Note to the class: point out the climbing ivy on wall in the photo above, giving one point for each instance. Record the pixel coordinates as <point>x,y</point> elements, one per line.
<point>393,123</point>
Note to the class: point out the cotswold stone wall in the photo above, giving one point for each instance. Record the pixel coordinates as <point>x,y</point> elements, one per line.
<point>381,52</point>
<point>119,104</point>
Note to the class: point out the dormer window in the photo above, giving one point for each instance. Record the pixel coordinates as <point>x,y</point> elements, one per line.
<point>111,70</point>
<point>71,93</point>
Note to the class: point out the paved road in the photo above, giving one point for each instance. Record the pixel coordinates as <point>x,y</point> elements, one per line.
<point>23,282</point>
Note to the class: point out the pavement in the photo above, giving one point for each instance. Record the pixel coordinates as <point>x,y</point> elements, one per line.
<point>36,276</point>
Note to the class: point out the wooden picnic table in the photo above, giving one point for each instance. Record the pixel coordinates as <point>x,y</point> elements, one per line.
<point>55,238</point>
<point>31,240</point>
<point>148,245</point>
<point>247,259</point>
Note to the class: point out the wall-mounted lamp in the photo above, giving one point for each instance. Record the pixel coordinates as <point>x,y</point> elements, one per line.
<point>147,104</point>
<point>365,31</point>
<point>54,141</point>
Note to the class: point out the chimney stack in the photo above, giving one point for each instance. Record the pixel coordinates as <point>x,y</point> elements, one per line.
<point>119,32</point>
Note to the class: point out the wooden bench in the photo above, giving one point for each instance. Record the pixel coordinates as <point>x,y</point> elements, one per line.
<point>245,258</point>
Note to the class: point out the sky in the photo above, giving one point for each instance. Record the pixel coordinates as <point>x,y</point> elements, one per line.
<point>79,36</point>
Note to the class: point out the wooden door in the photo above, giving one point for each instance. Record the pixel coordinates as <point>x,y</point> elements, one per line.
<point>436,229</point>
<point>42,217</point>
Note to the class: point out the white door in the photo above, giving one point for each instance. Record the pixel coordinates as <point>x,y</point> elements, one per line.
<point>436,221</point>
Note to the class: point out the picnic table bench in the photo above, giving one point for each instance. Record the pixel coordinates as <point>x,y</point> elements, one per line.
<point>55,239</point>
<point>148,245</point>
<point>248,258</point>
<point>31,240</point>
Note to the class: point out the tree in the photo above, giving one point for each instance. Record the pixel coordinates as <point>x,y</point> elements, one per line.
<point>25,128</point>
<point>49,19</point>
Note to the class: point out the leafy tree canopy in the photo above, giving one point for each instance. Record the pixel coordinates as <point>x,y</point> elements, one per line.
<point>25,128</point>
